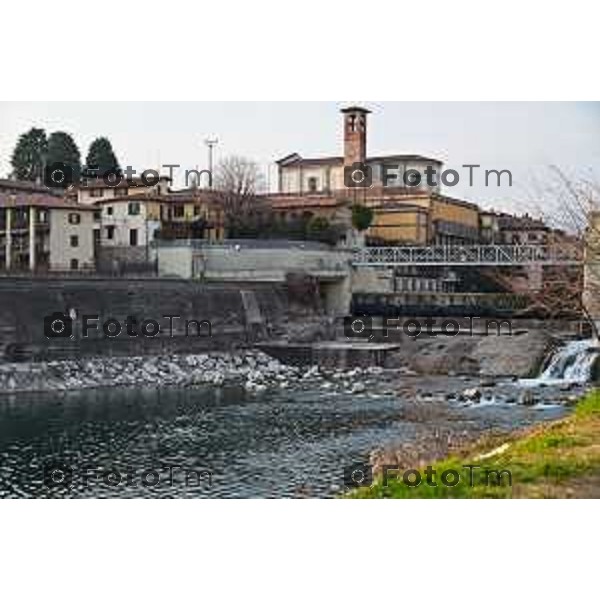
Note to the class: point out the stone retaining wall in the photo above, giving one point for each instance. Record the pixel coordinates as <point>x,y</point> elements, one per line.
<point>25,303</point>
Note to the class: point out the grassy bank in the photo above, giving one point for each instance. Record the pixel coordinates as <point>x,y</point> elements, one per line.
<point>553,460</point>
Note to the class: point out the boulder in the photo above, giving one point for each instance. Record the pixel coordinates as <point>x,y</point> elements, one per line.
<point>471,395</point>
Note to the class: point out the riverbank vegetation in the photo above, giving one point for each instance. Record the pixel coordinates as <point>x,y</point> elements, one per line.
<point>560,459</point>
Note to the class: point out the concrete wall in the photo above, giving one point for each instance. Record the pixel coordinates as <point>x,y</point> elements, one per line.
<point>372,280</point>
<point>126,259</point>
<point>237,263</point>
<point>24,303</point>
<point>175,261</point>
<point>267,265</point>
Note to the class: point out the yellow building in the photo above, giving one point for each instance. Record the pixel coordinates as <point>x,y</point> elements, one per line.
<point>193,213</point>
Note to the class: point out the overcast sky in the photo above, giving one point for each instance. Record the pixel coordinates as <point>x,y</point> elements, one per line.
<point>524,137</point>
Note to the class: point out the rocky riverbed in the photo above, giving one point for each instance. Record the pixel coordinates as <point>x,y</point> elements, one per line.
<point>258,373</point>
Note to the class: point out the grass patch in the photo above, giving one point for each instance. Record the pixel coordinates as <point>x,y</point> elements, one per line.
<point>555,460</point>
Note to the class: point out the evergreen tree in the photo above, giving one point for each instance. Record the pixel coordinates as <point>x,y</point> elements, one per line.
<point>28,156</point>
<point>362,217</point>
<point>63,149</point>
<point>101,155</point>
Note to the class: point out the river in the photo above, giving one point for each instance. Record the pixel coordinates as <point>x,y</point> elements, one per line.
<point>111,443</point>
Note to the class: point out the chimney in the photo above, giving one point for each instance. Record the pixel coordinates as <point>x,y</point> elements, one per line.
<point>355,135</point>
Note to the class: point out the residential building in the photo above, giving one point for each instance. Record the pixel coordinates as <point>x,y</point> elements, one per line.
<point>14,186</point>
<point>95,190</point>
<point>193,213</point>
<point>129,221</point>
<point>523,229</point>
<point>127,227</point>
<point>130,225</point>
<point>45,233</point>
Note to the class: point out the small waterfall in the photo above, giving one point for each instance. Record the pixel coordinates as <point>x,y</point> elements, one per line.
<point>570,364</point>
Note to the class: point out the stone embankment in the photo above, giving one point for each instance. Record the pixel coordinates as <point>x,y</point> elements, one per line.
<point>253,370</point>
<point>258,373</point>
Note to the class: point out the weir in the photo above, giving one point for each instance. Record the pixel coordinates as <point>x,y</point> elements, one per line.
<point>572,363</point>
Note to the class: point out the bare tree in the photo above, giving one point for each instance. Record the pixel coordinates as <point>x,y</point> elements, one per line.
<point>570,205</point>
<point>238,181</point>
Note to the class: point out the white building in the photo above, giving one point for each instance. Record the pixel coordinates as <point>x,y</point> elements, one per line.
<point>128,222</point>
<point>40,232</point>
<point>299,175</point>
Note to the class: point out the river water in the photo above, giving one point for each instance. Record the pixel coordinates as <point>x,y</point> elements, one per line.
<point>164,443</point>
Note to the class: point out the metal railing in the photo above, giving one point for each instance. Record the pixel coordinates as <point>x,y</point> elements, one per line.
<point>490,255</point>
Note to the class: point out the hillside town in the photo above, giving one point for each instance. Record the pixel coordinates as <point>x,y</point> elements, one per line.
<point>115,227</point>
<point>358,292</point>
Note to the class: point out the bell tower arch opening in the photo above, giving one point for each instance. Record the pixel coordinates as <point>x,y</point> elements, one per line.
<point>355,135</point>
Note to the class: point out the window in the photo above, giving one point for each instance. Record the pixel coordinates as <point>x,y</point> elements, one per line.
<point>179,211</point>
<point>74,241</point>
<point>42,216</point>
<point>97,193</point>
<point>134,208</point>
<point>74,264</point>
<point>133,237</point>
<point>109,210</point>
<point>97,215</point>
<point>120,192</point>
<point>110,232</point>
<point>313,184</point>
<point>74,219</point>
<point>196,210</point>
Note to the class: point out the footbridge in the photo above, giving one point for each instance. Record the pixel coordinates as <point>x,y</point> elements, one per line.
<point>453,256</point>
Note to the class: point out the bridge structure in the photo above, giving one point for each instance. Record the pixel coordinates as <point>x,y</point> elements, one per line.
<point>462,256</point>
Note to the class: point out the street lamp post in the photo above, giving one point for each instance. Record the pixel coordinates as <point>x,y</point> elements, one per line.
<point>211,143</point>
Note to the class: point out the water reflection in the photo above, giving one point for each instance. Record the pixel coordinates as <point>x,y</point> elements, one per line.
<point>283,444</point>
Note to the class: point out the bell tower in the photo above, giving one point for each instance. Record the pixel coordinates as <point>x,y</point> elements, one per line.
<point>355,135</point>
